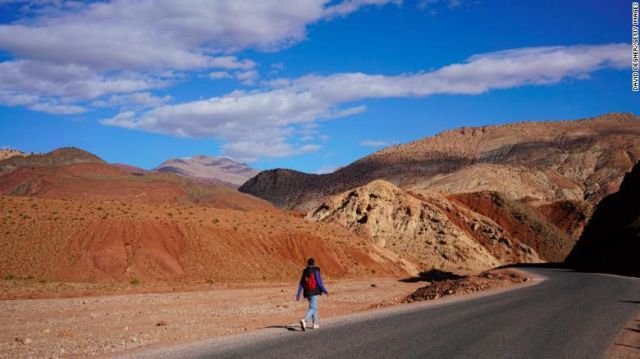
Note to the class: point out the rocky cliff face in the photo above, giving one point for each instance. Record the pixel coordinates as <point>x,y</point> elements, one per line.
<point>611,239</point>
<point>209,168</point>
<point>534,161</point>
<point>432,231</point>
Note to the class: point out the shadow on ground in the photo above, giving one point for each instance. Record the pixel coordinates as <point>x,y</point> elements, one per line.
<point>434,275</point>
<point>291,328</point>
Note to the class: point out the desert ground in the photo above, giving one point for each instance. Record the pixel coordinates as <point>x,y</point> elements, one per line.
<point>89,323</point>
<point>104,324</point>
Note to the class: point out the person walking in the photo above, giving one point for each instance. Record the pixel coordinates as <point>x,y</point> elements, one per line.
<point>312,288</point>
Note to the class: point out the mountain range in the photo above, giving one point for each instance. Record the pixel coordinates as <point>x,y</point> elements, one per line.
<point>471,198</point>
<point>67,215</point>
<point>464,200</point>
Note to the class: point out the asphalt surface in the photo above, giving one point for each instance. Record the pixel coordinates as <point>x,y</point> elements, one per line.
<point>568,315</point>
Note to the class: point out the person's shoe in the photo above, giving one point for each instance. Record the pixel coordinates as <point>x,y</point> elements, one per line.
<point>315,326</point>
<point>303,325</point>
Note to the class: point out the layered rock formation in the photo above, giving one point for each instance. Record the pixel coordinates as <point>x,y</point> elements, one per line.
<point>432,231</point>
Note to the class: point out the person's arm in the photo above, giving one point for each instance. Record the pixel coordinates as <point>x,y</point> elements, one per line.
<point>320,284</point>
<point>299,289</point>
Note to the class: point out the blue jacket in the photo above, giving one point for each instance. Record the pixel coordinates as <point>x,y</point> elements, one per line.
<point>320,288</point>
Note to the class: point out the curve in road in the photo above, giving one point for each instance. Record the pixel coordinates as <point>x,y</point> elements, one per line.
<point>568,315</point>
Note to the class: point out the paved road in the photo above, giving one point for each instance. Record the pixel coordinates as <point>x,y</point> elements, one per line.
<point>569,315</point>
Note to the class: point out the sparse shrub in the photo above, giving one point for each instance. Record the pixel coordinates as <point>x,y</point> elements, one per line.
<point>209,281</point>
<point>134,281</point>
<point>10,276</point>
<point>43,281</point>
<point>29,276</point>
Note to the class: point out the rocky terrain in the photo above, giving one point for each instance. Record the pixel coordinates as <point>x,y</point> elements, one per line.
<point>448,284</point>
<point>611,240</point>
<point>519,223</point>
<point>205,168</point>
<point>515,193</point>
<point>432,230</point>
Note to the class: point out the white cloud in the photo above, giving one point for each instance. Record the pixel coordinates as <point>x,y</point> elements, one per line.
<point>35,103</point>
<point>187,34</point>
<point>348,6</point>
<point>70,51</point>
<point>430,4</point>
<point>57,109</point>
<point>376,143</point>
<point>216,75</point>
<point>250,121</point>
<point>137,100</point>
<point>249,151</point>
<point>67,81</point>
<point>27,82</point>
<point>248,77</point>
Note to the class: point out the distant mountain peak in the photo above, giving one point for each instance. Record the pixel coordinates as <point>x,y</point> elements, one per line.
<point>209,168</point>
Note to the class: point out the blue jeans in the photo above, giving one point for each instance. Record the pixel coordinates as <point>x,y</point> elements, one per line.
<point>312,312</point>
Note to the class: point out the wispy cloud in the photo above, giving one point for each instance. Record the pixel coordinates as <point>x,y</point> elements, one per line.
<point>136,101</point>
<point>262,123</point>
<point>348,6</point>
<point>216,75</point>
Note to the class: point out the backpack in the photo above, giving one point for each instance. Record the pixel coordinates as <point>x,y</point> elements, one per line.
<point>309,281</point>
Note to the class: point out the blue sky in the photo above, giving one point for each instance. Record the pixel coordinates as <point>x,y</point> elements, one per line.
<point>303,84</point>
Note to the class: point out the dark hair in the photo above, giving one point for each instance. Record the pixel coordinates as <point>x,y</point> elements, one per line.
<point>311,261</point>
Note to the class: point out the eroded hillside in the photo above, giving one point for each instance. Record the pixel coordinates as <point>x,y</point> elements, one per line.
<point>541,161</point>
<point>433,230</point>
<point>89,240</point>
